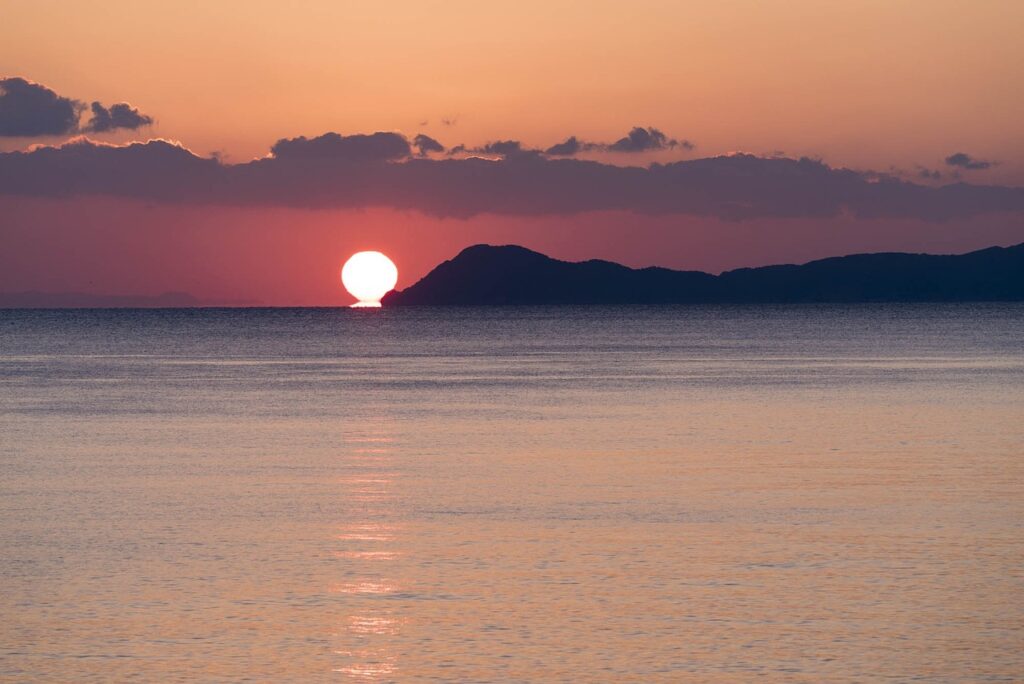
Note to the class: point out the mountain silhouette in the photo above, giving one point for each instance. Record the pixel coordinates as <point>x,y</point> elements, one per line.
<point>492,275</point>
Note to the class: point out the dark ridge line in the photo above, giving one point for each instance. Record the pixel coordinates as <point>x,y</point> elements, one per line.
<point>510,274</point>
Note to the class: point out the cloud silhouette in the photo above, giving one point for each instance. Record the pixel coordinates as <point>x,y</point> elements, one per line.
<point>29,109</point>
<point>424,145</point>
<point>120,115</point>
<point>361,171</point>
<point>639,139</point>
<point>646,140</point>
<point>966,161</point>
<point>570,147</point>
<point>505,148</point>
<point>358,148</point>
<point>502,147</point>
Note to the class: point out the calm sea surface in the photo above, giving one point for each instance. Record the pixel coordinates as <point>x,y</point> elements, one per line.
<point>809,493</point>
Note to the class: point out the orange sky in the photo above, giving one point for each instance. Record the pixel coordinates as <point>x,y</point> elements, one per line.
<point>863,84</point>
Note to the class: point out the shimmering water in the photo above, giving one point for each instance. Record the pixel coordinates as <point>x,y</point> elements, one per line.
<point>696,494</point>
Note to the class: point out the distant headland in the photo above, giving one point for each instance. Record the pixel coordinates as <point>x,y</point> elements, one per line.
<point>503,275</point>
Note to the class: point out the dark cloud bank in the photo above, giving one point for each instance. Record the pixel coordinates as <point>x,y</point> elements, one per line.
<point>384,170</point>
<point>30,110</point>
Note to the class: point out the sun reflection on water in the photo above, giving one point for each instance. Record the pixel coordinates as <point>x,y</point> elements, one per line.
<point>368,555</point>
<point>363,588</point>
<point>368,671</point>
<point>368,624</point>
<point>366,544</point>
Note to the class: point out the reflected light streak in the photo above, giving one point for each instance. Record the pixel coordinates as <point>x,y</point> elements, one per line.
<point>367,555</point>
<point>368,587</point>
<point>364,536</point>
<point>371,483</point>
<point>366,624</point>
<point>368,671</point>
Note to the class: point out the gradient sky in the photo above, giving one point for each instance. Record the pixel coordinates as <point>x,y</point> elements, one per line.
<point>883,89</point>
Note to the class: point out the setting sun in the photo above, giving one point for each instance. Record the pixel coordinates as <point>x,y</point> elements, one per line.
<point>368,276</point>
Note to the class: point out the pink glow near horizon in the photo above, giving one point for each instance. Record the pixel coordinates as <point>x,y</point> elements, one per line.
<point>292,257</point>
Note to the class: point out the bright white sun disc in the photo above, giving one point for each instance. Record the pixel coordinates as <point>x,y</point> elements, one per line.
<point>368,276</point>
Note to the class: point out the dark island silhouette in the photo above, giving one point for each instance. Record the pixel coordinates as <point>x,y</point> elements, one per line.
<point>492,275</point>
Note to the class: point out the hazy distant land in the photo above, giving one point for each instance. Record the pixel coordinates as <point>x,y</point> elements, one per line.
<point>87,300</point>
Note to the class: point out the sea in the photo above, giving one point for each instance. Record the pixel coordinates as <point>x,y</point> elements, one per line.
<point>810,493</point>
